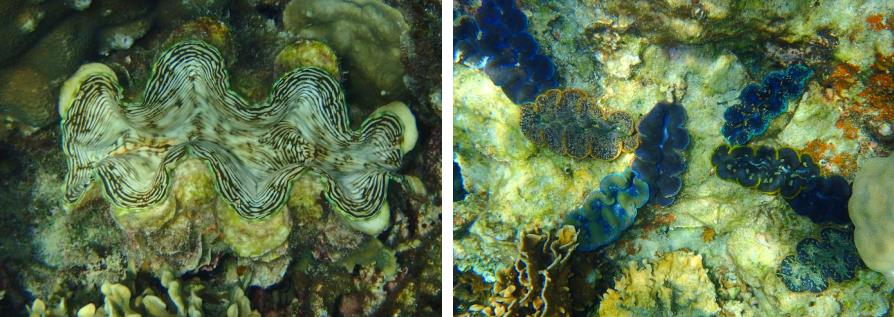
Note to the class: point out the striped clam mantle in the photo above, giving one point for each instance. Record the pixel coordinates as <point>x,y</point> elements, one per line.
<point>253,150</point>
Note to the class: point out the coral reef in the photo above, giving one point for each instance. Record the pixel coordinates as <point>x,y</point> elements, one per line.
<point>761,103</point>
<point>366,34</point>
<point>833,256</point>
<point>871,207</point>
<point>569,122</point>
<point>659,158</point>
<point>609,211</point>
<point>674,284</point>
<point>134,174</point>
<point>497,39</point>
<point>537,284</point>
<point>631,55</point>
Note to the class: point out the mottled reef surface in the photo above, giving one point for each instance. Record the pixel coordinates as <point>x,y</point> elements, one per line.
<point>796,222</point>
<point>192,254</point>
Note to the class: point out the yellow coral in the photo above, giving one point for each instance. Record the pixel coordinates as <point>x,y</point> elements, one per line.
<point>676,282</point>
<point>871,208</point>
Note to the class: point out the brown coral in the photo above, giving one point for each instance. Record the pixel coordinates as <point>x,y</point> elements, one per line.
<point>569,122</point>
<point>537,285</point>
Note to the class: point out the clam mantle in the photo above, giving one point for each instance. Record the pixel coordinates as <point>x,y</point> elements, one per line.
<point>253,150</point>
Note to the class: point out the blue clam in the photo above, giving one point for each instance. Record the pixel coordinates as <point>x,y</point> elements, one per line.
<point>609,211</point>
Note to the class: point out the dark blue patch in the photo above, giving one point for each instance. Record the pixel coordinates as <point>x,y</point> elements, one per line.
<point>834,256</point>
<point>761,103</point>
<point>659,158</point>
<point>497,39</point>
<point>823,199</point>
<point>459,188</point>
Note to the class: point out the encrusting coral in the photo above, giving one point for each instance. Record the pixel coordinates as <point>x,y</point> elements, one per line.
<point>871,208</point>
<point>659,158</point>
<point>834,257</point>
<point>537,284</point>
<point>367,34</point>
<point>571,123</point>
<point>254,151</point>
<point>609,211</point>
<point>675,284</point>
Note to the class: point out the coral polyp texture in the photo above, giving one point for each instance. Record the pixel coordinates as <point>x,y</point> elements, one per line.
<point>761,103</point>
<point>833,256</point>
<point>254,150</point>
<point>794,176</point>
<point>609,211</point>
<point>569,122</point>
<point>497,39</point>
<point>871,208</point>
<point>663,138</point>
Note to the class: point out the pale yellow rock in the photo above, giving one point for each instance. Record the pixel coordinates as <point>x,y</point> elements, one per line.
<point>871,208</point>
<point>675,282</point>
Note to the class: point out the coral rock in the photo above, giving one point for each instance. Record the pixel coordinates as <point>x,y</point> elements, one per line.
<point>677,282</point>
<point>871,208</point>
<point>367,34</point>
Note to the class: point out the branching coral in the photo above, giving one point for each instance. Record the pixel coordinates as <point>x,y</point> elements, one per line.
<point>497,38</point>
<point>191,299</point>
<point>537,285</point>
<point>569,122</point>
<point>834,257</point>
<point>794,176</point>
<point>610,210</point>
<point>675,285</point>
<point>871,208</point>
<point>254,150</point>
<point>659,157</point>
<point>761,103</point>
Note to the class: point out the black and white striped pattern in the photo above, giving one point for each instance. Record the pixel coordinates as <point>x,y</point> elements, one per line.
<point>254,151</point>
